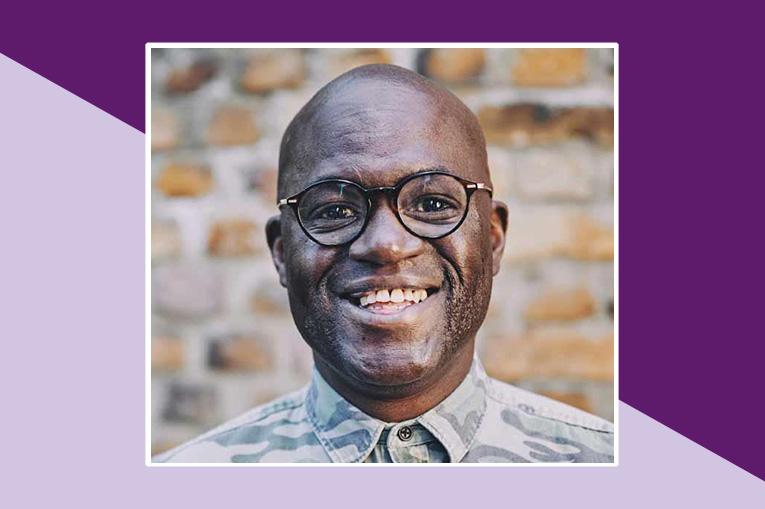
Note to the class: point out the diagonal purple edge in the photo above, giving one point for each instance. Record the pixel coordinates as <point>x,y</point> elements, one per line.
<point>689,349</point>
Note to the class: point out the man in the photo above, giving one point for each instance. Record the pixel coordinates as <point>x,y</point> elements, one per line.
<point>387,242</point>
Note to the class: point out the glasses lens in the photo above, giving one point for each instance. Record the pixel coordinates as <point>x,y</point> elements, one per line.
<point>333,212</point>
<point>432,205</point>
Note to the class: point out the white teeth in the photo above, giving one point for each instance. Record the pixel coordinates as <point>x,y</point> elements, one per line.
<point>396,295</point>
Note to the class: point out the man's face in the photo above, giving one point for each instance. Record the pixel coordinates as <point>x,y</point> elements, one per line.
<point>375,134</point>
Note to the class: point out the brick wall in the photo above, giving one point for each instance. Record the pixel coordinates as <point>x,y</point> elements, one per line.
<point>222,336</point>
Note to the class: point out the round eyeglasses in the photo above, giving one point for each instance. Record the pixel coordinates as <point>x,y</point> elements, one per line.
<point>430,205</point>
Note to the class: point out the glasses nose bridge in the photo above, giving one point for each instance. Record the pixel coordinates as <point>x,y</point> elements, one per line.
<point>390,192</point>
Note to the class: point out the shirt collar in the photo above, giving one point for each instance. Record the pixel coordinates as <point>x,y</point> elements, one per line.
<point>455,421</point>
<point>349,435</point>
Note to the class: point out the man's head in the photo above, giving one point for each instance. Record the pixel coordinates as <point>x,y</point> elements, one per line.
<point>375,126</point>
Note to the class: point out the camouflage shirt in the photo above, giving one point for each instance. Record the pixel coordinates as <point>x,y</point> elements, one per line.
<point>483,420</point>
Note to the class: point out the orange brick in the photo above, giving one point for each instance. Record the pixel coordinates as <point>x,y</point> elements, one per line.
<point>343,60</point>
<point>165,130</point>
<point>561,304</point>
<point>181,179</point>
<point>521,124</point>
<point>547,67</point>
<point>270,70</point>
<point>161,446</point>
<point>239,353</point>
<point>589,240</point>
<point>167,353</point>
<point>454,65</point>
<point>233,237</point>
<point>187,79</point>
<point>596,124</point>
<point>232,125</point>
<point>540,231</point>
<point>533,124</point>
<point>575,399</point>
<point>550,354</point>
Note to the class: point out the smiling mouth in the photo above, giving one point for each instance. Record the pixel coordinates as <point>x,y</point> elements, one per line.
<point>387,301</point>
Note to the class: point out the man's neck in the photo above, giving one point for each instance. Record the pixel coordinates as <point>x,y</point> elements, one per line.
<point>424,395</point>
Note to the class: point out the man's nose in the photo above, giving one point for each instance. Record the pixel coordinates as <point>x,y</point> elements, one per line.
<point>385,240</point>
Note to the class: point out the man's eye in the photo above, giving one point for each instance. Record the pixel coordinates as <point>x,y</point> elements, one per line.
<point>432,204</point>
<point>335,212</point>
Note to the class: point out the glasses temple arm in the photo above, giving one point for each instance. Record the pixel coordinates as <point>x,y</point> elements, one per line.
<point>480,185</point>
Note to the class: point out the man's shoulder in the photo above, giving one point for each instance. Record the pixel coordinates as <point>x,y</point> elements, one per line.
<point>528,427</point>
<point>515,399</point>
<point>259,434</point>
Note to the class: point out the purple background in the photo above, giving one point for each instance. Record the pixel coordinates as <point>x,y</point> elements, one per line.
<point>694,277</point>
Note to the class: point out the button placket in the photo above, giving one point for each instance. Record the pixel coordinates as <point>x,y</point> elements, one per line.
<point>403,443</point>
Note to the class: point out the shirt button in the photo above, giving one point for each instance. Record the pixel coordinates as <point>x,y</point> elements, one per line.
<point>526,408</point>
<point>404,433</point>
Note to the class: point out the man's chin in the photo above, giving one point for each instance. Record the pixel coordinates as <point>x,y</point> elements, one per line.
<point>390,371</point>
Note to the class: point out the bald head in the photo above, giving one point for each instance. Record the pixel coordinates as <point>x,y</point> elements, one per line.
<point>375,113</point>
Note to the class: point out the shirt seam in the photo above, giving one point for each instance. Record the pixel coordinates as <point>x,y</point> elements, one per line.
<point>542,416</point>
<point>477,427</point>
<point>315,428</point>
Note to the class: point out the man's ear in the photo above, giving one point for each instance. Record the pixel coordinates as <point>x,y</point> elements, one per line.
<point>274,237</point>
<point>499,215</point>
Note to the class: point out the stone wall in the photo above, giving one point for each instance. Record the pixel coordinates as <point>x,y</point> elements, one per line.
<point>222,335</point>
